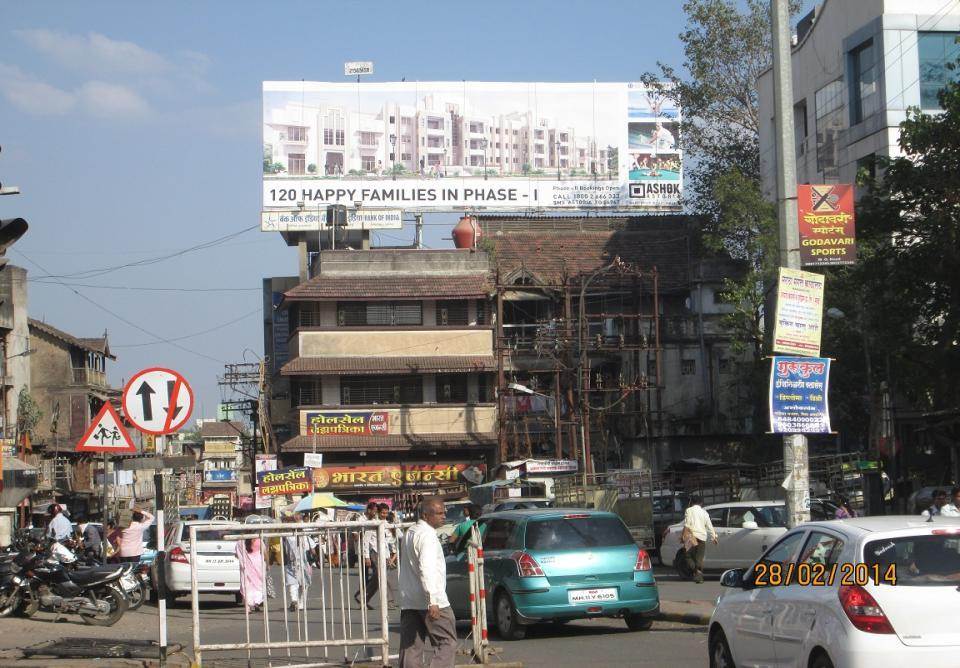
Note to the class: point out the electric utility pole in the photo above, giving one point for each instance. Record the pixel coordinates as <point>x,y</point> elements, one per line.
<point>795,458</point>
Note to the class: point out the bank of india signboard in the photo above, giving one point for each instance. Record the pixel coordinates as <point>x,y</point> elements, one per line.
<point>392,475</point>
<point>446,146</point>
<point>348,423</point>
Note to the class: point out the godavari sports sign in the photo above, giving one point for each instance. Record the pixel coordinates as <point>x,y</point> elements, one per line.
<point>446,146</point>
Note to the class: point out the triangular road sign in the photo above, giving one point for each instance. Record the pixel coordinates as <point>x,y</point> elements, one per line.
<point>106,434</point>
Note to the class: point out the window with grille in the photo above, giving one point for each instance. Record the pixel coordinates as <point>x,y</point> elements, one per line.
<point>452,312</point>
<point>485,387</point>
<point>361,390</point>
<point>688,367</point>
<point>452,388</point>
<point>384,314</point>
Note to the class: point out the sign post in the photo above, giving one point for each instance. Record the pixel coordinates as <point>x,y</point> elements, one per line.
<point>158,402</point>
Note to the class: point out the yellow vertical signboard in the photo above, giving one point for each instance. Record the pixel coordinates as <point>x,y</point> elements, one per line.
<point>799,316</point>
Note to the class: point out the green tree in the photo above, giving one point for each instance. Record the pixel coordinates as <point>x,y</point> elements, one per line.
<point>909,270</point>
<point>727,45</point>
<point>28,412</point>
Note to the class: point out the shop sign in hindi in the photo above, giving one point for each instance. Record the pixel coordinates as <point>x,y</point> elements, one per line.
<point>799,316</point>
<point>798,395</point>
<point>827,227</point>
<point>387,476</point>
<point>284,482</point>
<point>550,466</point>
<point>263,463</point>
<point>347,423</point>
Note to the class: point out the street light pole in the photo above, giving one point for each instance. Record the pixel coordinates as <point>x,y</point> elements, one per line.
<point>795,455</point>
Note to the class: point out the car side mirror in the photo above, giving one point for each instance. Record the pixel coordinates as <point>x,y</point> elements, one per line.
<point>732,578</point>
<point>749,525</point>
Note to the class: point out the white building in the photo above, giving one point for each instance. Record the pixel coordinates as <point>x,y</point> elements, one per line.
<point>858,65</point>
<point>434,138</point>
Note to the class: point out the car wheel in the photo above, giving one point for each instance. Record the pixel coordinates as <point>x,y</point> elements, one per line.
<point>681,565</point>
<point>720,656</point>
<point>508,622</point>
<point>821,661</point>
<point>638,622</point>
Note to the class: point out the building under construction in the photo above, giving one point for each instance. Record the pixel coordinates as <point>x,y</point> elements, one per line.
<point>609,344</point>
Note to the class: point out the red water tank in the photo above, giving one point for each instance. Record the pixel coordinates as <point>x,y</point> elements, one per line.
<point>466,234</point>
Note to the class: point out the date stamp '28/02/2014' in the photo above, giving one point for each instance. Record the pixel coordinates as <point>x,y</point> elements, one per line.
<point>822,575</point>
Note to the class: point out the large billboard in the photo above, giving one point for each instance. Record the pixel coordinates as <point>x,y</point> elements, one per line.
<point>448,146</point>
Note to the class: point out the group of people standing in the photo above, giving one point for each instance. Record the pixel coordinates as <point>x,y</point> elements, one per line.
<point>123,544</point>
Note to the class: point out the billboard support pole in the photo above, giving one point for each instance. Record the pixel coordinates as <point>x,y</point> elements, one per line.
<point>795,455</point>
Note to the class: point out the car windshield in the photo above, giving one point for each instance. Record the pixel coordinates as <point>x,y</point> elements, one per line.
<point>456,514</point>
<point>771,516</point>
<point>927,560</point>
<point>571,533</point>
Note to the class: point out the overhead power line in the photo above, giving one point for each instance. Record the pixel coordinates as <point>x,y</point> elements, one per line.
<point>135,288</point>
<point>92,273</point>
<point>119,317</point>
<point>195,334</point>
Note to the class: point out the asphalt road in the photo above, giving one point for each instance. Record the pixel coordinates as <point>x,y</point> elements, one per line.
<point>601,642</point>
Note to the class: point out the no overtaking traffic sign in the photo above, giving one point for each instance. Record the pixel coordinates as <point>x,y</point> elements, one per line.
<point>157,401</point>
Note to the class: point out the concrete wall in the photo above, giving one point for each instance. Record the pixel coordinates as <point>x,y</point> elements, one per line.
<point>402,343</point>
<point>52,369</point>
<point>458,419</point>
<point>13,318</point>
<point>385,261</point>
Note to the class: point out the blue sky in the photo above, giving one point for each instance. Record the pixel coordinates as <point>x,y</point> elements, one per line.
<point>133,130</point>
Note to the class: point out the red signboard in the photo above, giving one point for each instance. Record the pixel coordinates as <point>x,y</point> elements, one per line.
<point>348,423</point>
<point>827,230</point>
<point>389,475</point>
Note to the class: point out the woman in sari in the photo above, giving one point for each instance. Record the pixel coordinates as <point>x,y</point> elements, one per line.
<point>251,573</point>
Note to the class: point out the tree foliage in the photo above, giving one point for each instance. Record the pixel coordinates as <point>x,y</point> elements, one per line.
<point>28,412</point>
<point>727,45</point>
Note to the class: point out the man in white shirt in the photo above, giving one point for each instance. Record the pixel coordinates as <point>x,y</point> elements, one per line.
<point>368,552</point>
<point>424,608</point>
<point>60,527</point>
<point>697,522</point>
<point>952,509</point>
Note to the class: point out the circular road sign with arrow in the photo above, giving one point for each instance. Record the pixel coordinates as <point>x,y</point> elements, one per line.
<point>157,401</point>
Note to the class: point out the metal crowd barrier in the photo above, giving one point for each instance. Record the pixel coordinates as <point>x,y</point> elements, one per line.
<point>341,627</point>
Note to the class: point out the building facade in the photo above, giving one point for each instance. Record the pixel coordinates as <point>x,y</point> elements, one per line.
<point>226,469</point>
<point>14,346</point>
<point>390,370</point>
<point>857,68</point>
<point>646,365</point>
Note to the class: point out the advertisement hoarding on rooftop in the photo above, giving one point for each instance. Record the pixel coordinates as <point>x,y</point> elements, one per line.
<point>450,146</point>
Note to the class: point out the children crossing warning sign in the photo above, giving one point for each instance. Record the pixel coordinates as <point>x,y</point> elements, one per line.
<point>106,434</point>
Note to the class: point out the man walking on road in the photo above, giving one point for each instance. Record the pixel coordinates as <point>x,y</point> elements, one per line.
<point>424,608</point>
<point>369,556</point>
<point>696,525</point>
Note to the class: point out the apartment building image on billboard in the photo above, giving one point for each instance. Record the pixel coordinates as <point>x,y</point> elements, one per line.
<point>432,141</point>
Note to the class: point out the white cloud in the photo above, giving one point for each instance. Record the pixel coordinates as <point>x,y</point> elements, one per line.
<point>33,96</point>
<point>94,52</point>
<point>106,100</point>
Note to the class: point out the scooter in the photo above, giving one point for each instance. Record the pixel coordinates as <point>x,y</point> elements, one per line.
<point>94,594</point>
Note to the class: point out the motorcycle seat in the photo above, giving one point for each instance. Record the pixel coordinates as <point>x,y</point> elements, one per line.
<point>96,574</point>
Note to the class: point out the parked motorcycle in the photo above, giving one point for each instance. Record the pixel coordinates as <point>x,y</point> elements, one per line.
<point>9,584</point>
<point>95,594</point>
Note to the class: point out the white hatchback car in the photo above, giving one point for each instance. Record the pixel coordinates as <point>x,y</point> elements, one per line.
<point>745,529</point>
<point>852,616</point>
<point>218,570</point>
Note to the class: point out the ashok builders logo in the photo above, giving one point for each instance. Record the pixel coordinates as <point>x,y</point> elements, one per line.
<point>650,190</point>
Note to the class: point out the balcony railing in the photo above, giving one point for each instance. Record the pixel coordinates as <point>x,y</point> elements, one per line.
<point>86,376</point>
<point>310,396</point>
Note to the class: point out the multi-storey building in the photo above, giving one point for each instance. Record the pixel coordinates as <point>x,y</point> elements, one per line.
<point>14,346</point>
<point>857,68</point>
<point>225,466</point>
<point>433,138</point>
<point>660,371</point>
<point>390,370</point>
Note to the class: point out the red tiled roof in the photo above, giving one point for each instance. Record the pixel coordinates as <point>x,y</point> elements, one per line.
<point>548,256</point>
<point>394,442</point>
<point>377,365</point>
<point>378,286</point>
<point>97,345</point>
